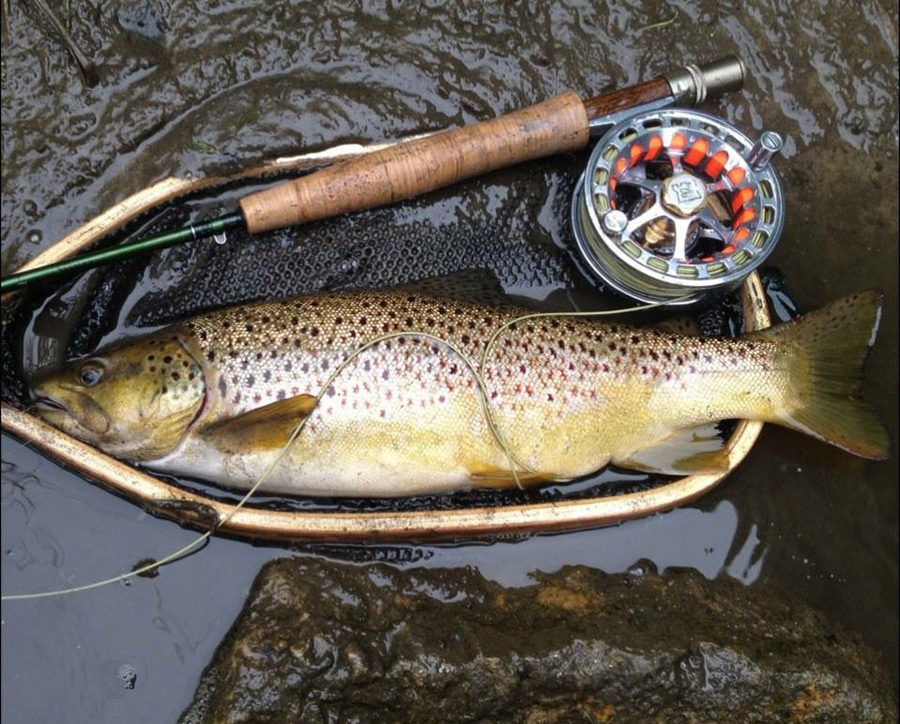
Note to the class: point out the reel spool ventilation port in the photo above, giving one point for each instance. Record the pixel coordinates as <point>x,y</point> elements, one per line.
<point>677,202</point>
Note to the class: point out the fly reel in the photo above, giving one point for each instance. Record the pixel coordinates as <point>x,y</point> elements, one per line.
<point>676,203</point>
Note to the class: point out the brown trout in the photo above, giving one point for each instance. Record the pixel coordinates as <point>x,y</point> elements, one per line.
<point>218,396</point>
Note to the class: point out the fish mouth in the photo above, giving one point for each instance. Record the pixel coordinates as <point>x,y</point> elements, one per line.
<point>42,403</point>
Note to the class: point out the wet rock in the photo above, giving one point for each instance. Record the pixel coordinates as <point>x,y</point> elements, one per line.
<point>320,641</point>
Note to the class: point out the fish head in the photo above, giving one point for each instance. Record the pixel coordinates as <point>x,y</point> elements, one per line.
<point>136,400</point>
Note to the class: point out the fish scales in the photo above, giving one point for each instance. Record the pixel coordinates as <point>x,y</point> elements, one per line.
<point>568,395</point>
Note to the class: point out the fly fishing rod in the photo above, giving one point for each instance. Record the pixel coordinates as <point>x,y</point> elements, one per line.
<point>562,124</point>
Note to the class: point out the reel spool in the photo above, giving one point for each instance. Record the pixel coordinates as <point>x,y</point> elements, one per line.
<point>677,202</point>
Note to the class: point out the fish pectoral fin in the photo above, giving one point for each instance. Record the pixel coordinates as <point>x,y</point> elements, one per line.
<point>264,428</point>
<point>685,452</point>
<point>491,476</point>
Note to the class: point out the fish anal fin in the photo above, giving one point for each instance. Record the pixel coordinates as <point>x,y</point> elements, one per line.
<point>264,428</point>
<point>491,476</point>
<point>685,452</point>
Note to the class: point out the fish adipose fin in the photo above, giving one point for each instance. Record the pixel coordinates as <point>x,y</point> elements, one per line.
<point>265,428</point>
<point>689,451</point>
<point>835,342</point>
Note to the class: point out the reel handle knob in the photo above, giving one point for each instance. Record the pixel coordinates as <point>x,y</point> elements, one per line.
<point>768,144</point>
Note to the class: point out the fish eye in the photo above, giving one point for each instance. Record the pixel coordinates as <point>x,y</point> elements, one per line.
<point>90,374</point>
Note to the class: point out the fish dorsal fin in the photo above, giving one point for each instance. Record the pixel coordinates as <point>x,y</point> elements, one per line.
<point>680,324</point>
<point>684,452</point>
<point>473,285</point>
<point>264,428</point>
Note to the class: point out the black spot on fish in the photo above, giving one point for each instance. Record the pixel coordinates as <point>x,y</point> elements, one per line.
<point>167,359</point>
<point>210,355</point>
<point>267,376</point>
<point>250,380</point>
<point>222,387</point>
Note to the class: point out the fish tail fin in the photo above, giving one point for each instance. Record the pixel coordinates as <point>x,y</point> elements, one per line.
<point>835,342</point>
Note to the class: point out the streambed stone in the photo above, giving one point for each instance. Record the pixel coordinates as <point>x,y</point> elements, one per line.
<point>321,641</point>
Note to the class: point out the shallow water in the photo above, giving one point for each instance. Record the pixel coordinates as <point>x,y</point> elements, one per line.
<point>246,84</point>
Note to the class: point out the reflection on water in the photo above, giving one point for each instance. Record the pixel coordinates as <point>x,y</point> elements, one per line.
<point>164,630</point>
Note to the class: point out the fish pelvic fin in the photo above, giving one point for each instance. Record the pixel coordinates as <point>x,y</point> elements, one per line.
<point>490,476</point>
<point>834,341</point>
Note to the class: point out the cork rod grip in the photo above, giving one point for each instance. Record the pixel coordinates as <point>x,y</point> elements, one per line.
<point>415,167</point>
